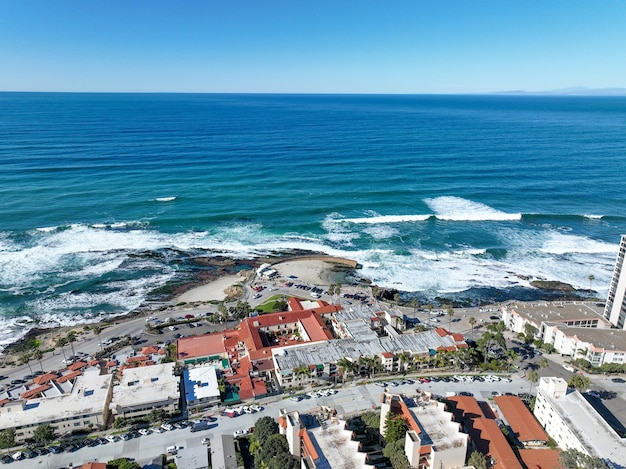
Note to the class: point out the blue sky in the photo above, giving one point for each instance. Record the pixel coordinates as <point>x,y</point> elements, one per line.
<point>440,46</point>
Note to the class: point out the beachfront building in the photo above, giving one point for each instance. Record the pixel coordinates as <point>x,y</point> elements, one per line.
<point>433,439</point>
<point>320,362</point>
<point>201,388</point>
<point>574,424</point>
<point>575,329</point>
<point>615,307</point>
<point>84,407</point>
<point>243,356</point>
<point>144,389</point>
<point>597,346</point>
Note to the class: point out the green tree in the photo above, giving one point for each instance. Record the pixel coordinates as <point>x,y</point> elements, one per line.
<point>591,279</point>
<point>71,338</point>
<point>123,463</point>
<point>157,415</point>
<point>62,342</point>
<point>120,422</point>
<point>302,372</point>
<point>450,313</point>
<point>264,428</point>
<point>532,377</point>
<point>25,360</point>
<point>38,355</point>
<point>273,446</point>
<point>7,438</point>
<point>529,332</point>
<point>395,427</point>
<point>347,366</point>
<point>280,305</point>
<point>44,434</point>
<point>579,382</point>
<point>543,363</point>
<point>574,459</point>
<point>395,453</point>
<point>97,329</point>
<point>478,460</point>
<point>472,323</point>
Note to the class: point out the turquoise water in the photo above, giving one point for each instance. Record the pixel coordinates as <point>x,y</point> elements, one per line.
<point>103,194</point>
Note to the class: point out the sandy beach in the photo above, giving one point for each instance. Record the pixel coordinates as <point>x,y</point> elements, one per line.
<point>213,291</point>
<point>313,271</point>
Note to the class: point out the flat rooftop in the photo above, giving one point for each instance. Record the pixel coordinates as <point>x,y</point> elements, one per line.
<point>335,448</point>
<point>589,426</point>
<point>437,426</point>
<point>145,384</point>
<point>611,340</point>
<point>559,312</point>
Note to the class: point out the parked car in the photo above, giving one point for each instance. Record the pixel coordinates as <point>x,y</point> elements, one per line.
<point>239,433</point>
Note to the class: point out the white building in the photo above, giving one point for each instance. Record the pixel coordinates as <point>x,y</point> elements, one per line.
<point>433,439</point>
<point>574,328</point>
<point>574,424</point>
<point>201,388</point>
<point>615,308</point>
<point>144,389</point>
<point>86,406</point>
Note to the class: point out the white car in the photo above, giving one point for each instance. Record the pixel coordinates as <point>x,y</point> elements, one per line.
<point>206,440</point>
<point>145,431</point>
<point>256,408</point>
<point>239,433</point>
<point>167,426</point>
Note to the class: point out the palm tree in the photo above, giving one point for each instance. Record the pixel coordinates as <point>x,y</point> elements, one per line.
<point>301,372</point>
<point>71,338</point>
<point>472,323</point>
<point>25,360</point>
<point>38,355</point>
<point>450,313</point>
<point>346,367</point>
<point>415,304</point>
<point>62,342</point>
<point>591,279</point>
<point>533,377</point>
<point>97,329</point>
<point>403,358</point>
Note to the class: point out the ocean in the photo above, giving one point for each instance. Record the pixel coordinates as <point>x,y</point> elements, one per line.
<point>105,196</point>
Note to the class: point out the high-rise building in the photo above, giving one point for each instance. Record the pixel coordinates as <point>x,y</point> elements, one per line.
<point>615,309</point>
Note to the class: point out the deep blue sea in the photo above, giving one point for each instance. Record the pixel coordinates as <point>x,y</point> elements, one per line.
<point>103,194</point>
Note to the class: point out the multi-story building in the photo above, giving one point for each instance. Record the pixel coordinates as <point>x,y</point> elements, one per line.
<point>575,329</point>
<point>84,407</point>
<point>201,388</point>
<point>574,424</point>
<point>433,439</point>
<point>144,389</point>
<point>615,308</point>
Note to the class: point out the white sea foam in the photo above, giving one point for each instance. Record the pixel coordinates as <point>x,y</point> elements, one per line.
<point>560,243</point>
<point>165,199</point>
<point>379,219</point>
<point>459,209</point>
<point>593,217</point>
<point>381,231</point>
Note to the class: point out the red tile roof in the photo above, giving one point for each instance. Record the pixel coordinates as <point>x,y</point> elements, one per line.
<point>69,376</point>
<point>387,354</point>
<point>520,419</point>
<point>35,391</point>
<point>202,346</point>
<point>541,458</point>
<point>77,366</point>
<point>149,350</point>
<point>44,378</point>
<point>137,359</point>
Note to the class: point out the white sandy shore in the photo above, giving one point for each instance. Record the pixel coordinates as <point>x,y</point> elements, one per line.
<point>316,272</point>
<point>214,291</point>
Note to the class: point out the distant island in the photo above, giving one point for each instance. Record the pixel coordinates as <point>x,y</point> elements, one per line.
<point>574,91</point>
